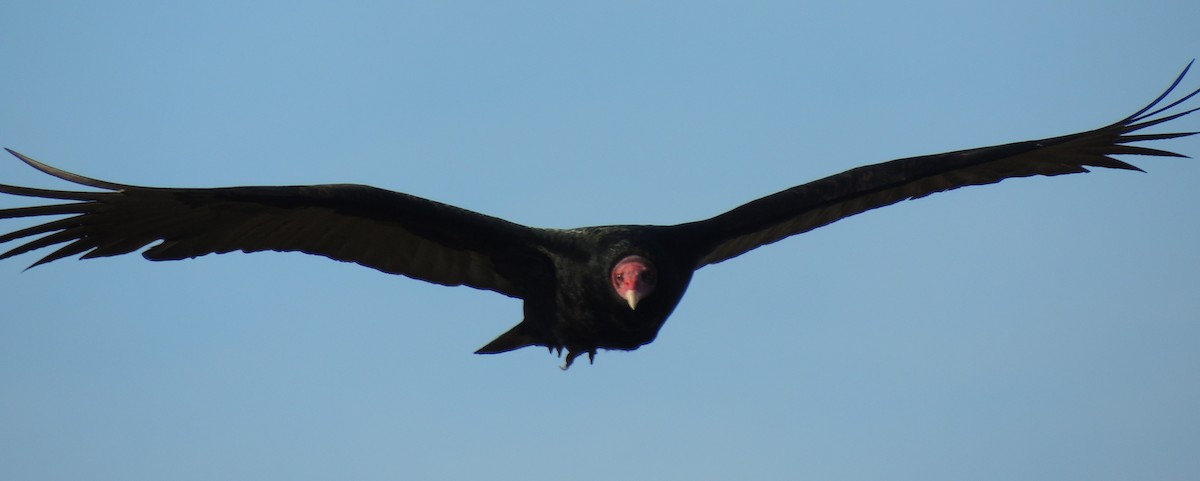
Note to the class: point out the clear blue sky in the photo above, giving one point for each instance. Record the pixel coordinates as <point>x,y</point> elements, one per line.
<point>1039,329</point>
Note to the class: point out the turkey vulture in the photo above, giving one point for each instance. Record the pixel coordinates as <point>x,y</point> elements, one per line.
<point>590,288</point>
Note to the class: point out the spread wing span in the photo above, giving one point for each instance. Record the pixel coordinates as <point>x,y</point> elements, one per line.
<point>809,206</point>
<point>389,231</point>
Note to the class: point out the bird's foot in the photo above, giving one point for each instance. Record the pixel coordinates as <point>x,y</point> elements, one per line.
<point>571,355</point>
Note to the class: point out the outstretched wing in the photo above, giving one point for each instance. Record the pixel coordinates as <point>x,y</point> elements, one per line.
<point>809,206</point>
<point>393,232</point>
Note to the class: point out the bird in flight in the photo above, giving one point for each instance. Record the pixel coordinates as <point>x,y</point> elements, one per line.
<point>584,289</point>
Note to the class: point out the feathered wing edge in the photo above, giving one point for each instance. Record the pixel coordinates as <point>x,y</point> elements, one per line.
<point>388,231</point>
<point>67,176</point>
<point>84,202</point>
<point>809,206</point>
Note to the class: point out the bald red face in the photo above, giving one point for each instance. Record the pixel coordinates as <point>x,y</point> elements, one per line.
<point>633,279</point>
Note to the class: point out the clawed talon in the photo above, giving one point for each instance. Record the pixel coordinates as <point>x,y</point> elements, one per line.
<point>571,355</point>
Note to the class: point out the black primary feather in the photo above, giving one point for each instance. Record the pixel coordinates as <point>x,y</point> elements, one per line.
<point>568,279</point>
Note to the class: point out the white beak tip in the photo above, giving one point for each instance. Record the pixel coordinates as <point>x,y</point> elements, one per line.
<point>632,298</point>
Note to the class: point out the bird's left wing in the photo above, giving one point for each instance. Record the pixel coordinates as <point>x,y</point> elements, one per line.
<point>393,232</point>
<point>809,206</point>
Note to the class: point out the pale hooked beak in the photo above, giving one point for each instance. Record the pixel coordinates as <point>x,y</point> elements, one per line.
<point>632,297</point>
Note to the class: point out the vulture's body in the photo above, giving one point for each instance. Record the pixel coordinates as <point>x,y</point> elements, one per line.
<point>585,289</point>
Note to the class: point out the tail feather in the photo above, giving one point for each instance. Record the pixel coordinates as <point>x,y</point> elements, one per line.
<point>513,339</point>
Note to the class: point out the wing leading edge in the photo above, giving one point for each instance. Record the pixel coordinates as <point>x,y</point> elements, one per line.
<point>389,231</point>
<point>818,203</point>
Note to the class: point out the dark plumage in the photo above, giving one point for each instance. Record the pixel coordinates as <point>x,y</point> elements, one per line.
<point>585,289</point>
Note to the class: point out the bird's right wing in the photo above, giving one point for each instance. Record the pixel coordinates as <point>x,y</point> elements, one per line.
<point>393,232</point>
